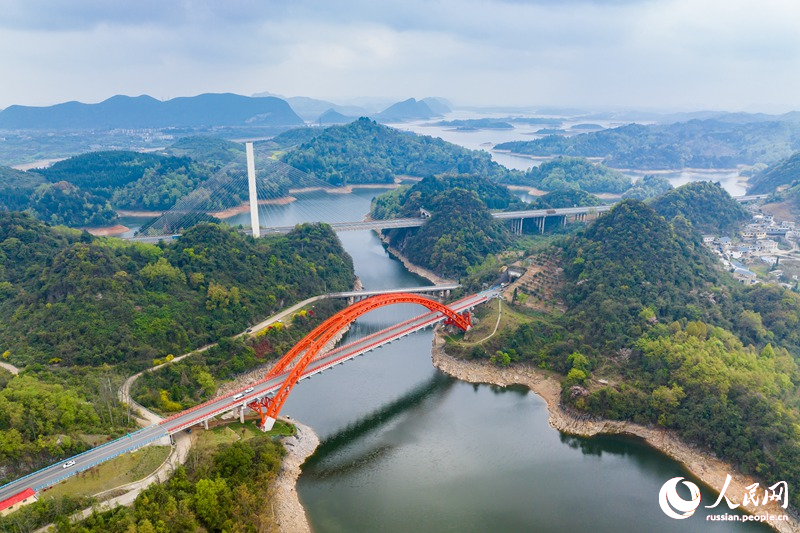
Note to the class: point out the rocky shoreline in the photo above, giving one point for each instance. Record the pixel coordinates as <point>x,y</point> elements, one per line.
<point>290,516</point>
<point>708,468</point>
<point>411,267</point>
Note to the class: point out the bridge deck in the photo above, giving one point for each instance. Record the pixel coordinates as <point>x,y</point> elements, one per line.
<point>397,223</point>
<point>55,473</point>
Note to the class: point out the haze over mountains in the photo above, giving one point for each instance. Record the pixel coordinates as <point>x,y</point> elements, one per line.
<point>204,111</point>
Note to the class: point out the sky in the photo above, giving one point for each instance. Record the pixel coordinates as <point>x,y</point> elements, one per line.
<point>670,55</point>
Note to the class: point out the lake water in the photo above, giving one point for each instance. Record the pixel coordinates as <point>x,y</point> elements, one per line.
<point>485,139</point>
<point>406,448</point>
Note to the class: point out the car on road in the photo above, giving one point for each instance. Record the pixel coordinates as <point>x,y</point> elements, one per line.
<point>68,464</point>
<point>248,390</point>
<point>237,396</point>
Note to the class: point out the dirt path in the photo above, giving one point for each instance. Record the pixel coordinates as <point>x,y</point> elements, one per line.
<point>709,469</point>
<point>496,325</point>
<point>11,368</point>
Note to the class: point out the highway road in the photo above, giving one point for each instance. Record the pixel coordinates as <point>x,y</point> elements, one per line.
<point>55,473</point>
<point>196,415</point>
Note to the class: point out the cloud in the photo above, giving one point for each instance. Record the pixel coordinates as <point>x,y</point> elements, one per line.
<point>624,52</point>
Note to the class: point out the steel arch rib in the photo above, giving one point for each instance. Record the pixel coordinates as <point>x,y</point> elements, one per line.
<point>311,345</point>
<point>357,309</point>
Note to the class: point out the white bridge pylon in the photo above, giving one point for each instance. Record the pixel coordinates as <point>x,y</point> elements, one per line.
<point>251,185</point>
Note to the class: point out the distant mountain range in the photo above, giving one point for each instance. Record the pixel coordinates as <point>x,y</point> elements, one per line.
<point>205,110</point>
<point>410,109</point>
<point>325,112</point>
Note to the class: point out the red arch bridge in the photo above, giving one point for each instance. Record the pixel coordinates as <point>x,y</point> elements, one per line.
<point>267,396</point>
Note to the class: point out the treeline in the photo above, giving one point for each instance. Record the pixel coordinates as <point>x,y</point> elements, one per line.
<point>693,144</point>
<point>367,152</point>
<point>135,181</point>
<point>578,173</point>
<point>649,186</point>
<point>68,298</point>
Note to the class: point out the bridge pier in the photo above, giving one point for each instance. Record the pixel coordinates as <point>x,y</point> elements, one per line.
<point>241,414</point>
<point>541,225</point>
<point>205,423</point>
<point>269,422</point>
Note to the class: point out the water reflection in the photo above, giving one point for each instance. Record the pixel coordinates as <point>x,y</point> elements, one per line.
<point>325,462</point>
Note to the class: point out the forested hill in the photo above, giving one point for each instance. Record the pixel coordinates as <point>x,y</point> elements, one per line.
<point>460,234</point>
<point>677,343</point>
<point>57,203</point>
<point>565,198</point>
<point>212,151</point>
<point>205,110</point>
<point>367,152</point>
<point>107,170</point>
<point>84,191</point>
<point>693,144</point>
<point>16,188</point>
<point>629,259</point>
<point>572,173</point>
<point>708,207</point>
<point>70,298</point>
<point>132,180</point>
<point>407,201</point>
<point>410,109</point>
<point>785,172</point>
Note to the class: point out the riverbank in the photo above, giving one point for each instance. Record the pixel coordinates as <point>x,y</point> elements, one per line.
<point>706,467</point>
<point>119,229</point>
<point>289,513</point>
<point>127,213</point>
<point>529,190</point>
<point>346,189</point>
<point>411,267</point>
<point>245,207</point>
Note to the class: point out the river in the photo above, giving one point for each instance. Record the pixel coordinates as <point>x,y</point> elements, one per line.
<point>406,448</point>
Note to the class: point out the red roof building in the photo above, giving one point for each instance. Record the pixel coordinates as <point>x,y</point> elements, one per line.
<point>8,505</point>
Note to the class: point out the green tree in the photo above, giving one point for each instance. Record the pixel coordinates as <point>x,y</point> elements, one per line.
<point>210,499</point>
